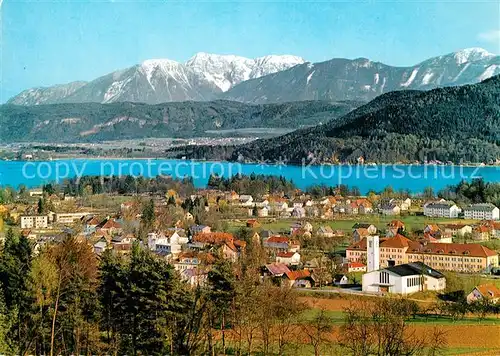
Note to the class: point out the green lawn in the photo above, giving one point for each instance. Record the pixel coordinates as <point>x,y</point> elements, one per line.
<point>465,350</point>
<point>337,318</point>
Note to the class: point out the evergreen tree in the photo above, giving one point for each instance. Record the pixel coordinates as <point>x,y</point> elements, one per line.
<point>222,291</point>
<point>15,266</point>
<point>148,215</point>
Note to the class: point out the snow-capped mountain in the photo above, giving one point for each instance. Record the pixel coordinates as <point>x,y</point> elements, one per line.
<point>153,81</point>
<point>48,95</point>
<point>226,71</point>
<point>362,79</point>
<point>201,78</point>
<point>267,79</point>
<point>471,55</point>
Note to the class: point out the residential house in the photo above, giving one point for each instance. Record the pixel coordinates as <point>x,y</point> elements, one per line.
<point>90,224</point>
<point>195,277</point>
<point>199,229</point>
<point>261,212</point>
<point>246,200</point>
<point>481,292</point>
<point>326,213</point>
<point>482,233</point>
<point>457,229</point>
<point>297,227</point>
<point>122,244</point>
<point>125,206</point>
<point>359,234</point>
<point>110,226</point>
<point>361,206</point>
<point>372,229</point>
<point>299,279</point>
<point>356,267</point>
<point>390,209</point>
<point>36,193</point>
<point>231,248</point>
<point>280,244</point>
<point>100,246</point>
<point>279,206</point>
<point>325,231</point>
<point>192,259</point>
<point>288,258</point>
<point>340,279</point>
<point>404,279</point>
<point>275,270</point>
<point>396,224</point>
<point>299,212</point>
<point>253,224</point>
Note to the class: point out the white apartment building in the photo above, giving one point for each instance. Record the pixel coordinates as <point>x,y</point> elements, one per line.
<point>444,209</point>
<point>34,221</point>
<point>481,212</point>
<point>69,218</point>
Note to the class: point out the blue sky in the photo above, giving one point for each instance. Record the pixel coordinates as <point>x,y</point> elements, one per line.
<point>50,42</point>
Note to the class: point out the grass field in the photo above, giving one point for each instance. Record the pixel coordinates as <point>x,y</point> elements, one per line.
<point>470,336</point>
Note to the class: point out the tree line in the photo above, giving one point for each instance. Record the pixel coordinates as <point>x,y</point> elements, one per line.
<point>254,184</point>
<point>63,299</point>
<point>476,191</point>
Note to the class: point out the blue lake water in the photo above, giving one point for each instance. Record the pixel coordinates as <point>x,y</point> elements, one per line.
<point>412,177</point>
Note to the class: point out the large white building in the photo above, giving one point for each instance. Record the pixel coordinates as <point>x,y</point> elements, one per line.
<point>34,221</point>
<point>69,218</point>
<point>442,209</point>
<point>481,212</point>
<point>404,279</point>
<point>401,279</point>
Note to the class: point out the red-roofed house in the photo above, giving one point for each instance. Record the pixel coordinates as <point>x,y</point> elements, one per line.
<point>356,267</point>
<point>299,279</point>
<point>482,233</point>
<point>489,292</point>
<point>281,244</point>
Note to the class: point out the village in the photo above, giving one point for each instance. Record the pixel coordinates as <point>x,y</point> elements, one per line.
<point>372,245</point>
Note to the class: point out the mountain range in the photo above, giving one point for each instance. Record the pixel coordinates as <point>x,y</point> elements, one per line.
<point>270,79</point>
<point>202,78</point>
<point>91,122</point>
<point>452,124</point>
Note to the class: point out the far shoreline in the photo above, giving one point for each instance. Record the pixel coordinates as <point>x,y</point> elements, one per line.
<point>114,158</point>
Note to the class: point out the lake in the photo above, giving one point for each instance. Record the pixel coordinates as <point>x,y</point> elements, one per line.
<point>412,177</point>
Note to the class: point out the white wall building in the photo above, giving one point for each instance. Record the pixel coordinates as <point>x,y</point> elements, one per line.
<point>442,209</point>
<point>161,244</point>
<point>288,258</point>
<point>481,212</point>
<point>69,218</point>
<point>34,221</point>
<point>404,279</point>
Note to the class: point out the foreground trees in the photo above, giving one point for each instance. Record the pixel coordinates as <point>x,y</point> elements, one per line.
<point>64,300</point>
<point>381,328</point>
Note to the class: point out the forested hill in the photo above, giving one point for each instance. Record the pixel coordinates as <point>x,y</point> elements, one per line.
<point>93,122</point>
<point>457,124</point>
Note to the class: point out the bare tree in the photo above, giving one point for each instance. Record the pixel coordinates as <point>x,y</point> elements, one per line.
<point>317,330</point>
<point>381,328</point>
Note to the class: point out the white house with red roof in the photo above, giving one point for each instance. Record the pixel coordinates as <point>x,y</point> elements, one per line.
<point>288,258</point>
